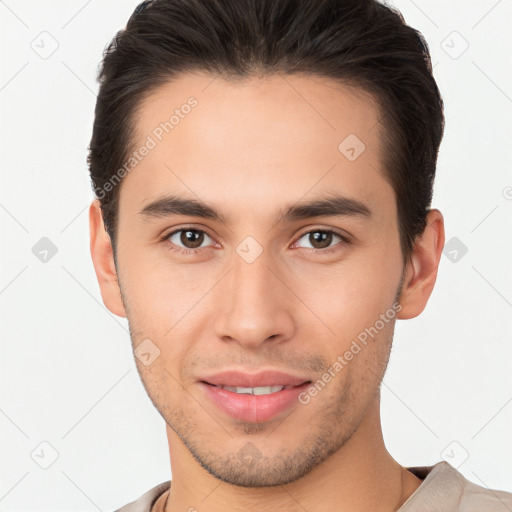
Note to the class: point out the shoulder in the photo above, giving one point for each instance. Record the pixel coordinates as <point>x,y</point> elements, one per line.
<point>476,498</point>
<point>445,489</point>
<point>146,501</point>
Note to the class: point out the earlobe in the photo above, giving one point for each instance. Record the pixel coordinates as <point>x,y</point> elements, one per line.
<point>103,261</point>
<point>421,271</point>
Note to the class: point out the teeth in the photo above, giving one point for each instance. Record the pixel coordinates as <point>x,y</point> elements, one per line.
<point>262,390</point>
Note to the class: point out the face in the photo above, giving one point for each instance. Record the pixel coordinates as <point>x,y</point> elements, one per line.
<point>241,285</point>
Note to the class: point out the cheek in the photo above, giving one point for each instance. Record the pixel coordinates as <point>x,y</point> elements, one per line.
<point>168,303</point>
<point>350,297</point>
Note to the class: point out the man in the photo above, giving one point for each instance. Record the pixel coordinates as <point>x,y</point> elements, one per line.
<point>263,173</point>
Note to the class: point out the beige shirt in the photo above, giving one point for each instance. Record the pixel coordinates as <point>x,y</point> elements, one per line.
<point>444,489</point>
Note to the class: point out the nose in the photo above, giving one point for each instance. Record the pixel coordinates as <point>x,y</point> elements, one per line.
<point>255,307</point>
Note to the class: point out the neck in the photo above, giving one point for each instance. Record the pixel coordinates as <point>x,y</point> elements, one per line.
<point>360,476</point>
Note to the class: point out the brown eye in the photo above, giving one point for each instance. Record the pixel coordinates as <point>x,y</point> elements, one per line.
<point>188,238</point>
<point>321,240</point>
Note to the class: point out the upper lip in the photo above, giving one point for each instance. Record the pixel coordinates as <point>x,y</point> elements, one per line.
<point>253,380</point>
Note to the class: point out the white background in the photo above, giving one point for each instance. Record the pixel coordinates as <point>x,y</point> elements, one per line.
<point>67,374</point>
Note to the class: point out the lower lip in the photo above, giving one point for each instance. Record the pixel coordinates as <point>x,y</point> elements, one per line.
<point>253,408</point>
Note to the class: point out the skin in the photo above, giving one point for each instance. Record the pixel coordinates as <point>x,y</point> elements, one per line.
<point>250,148</point>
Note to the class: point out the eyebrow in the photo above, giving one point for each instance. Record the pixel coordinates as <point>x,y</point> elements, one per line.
<point>334,205</point>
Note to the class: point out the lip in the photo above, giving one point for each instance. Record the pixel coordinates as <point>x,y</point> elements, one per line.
<point>247,380</point>
<point>253,408</point>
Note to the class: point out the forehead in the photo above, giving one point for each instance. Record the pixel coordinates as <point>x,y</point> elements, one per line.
<point>293,107</point>
<point>257,137</point>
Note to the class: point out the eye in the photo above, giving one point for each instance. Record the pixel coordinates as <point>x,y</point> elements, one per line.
<point>186,240</point>
<point>320,240</point>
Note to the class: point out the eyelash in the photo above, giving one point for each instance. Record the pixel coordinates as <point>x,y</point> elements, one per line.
<point>185,251</point>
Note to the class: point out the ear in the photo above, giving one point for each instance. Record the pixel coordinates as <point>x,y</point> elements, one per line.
<point>421,269</point>
<point>103,261</point>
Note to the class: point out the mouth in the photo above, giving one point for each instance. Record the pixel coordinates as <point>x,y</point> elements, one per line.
<point>253,398</point>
